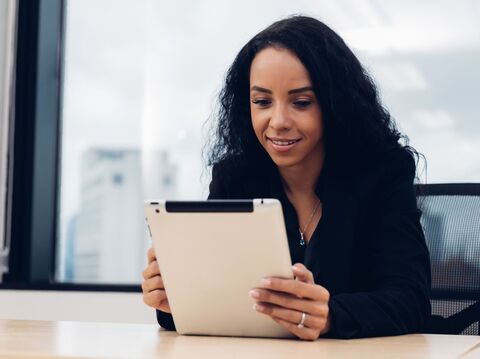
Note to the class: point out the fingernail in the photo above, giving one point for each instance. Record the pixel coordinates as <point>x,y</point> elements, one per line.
<point>258,307</point>
<point>296,268</point>
<point>266,282</point>
<point>254,294</point>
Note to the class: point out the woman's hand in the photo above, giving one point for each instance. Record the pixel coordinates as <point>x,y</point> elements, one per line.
<point>284,300</point>
<point>153,290</point>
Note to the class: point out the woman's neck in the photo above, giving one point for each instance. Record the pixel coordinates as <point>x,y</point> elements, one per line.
<point>301,179</point>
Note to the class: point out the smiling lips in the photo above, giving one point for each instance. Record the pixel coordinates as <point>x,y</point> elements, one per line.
<point>282,145</point>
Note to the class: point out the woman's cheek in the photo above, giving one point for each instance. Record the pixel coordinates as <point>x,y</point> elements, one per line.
<point>259,128</point>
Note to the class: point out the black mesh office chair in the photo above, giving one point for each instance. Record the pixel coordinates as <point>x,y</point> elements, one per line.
<point>451,221</point>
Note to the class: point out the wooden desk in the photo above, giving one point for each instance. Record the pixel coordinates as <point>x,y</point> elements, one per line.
<point>44,339</point>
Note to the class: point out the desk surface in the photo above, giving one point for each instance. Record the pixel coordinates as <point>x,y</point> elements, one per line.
<point>45,339</point>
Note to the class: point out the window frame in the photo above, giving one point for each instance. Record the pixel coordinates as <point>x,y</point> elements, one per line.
<point>8,19</point>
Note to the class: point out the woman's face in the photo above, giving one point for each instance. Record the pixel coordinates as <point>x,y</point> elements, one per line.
<point>285,113</point>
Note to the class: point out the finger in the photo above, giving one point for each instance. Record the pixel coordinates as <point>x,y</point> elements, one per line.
<point>303,333</point>
<point>288,301</point>
<point>151,271</point>
<point>152,284</point>
<point>301,279</point>
<point>295,287</point>
<point>155,299</point>
<point>303,273</point>
<point>151,255</point>
<point>291,316</point>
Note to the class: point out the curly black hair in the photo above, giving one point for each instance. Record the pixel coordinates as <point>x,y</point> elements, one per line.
<point>356,123</point>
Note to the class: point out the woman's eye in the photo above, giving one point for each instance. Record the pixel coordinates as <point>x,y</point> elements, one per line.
<point>261,102</point>
<point>302,103</point>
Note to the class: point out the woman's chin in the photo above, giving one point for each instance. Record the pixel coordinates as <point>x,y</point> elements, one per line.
<point>284,162</point>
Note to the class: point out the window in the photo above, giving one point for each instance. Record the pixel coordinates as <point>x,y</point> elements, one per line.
<point>140,79</point>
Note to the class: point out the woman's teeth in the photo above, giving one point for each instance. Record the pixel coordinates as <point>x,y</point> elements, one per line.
<point>283,143</point>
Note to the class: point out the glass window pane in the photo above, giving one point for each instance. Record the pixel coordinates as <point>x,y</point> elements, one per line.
<point>101,226</point>
<point>141,79</point>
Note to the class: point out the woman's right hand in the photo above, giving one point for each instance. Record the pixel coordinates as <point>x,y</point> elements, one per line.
<point>153,290</point>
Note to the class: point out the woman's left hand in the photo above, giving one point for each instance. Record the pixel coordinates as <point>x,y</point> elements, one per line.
<point>284,300</point>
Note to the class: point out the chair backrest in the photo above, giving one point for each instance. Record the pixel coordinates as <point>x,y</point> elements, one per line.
<point>451,222</point>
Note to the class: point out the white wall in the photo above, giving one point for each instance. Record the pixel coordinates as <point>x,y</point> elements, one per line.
<point>75,306</point>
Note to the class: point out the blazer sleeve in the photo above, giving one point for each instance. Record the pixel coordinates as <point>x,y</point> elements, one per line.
<point>397,301</point>
<point>165,320</point>
<point>218,189</point>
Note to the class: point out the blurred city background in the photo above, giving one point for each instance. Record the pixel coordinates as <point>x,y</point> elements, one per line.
<point>141,78</point>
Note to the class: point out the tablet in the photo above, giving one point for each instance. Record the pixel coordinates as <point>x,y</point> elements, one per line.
<point>211,254</point>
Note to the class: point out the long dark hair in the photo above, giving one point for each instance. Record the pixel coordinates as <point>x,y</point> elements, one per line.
<point>355,122</point>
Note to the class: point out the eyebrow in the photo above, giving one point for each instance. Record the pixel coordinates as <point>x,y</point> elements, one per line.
<point>290,92</point>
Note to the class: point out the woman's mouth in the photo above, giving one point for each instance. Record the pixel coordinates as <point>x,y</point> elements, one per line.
<point>282,146</point>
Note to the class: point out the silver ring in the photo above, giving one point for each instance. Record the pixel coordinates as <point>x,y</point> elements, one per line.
<point>300,325</point>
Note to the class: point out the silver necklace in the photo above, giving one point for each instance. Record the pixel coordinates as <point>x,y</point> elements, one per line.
<point>302,240</point>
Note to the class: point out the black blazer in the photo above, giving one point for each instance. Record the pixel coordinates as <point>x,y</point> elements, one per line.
<point>368,249</point>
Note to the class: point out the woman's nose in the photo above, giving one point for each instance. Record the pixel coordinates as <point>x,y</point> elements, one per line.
<point>280,118</point>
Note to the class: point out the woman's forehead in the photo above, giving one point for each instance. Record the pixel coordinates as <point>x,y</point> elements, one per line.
<point>279,68</point>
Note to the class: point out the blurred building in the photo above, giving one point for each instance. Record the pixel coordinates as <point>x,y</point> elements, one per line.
<point>69,266</point>
<point>110,243</point>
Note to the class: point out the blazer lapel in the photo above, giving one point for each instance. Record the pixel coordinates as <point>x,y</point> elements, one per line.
<point>329,253</point>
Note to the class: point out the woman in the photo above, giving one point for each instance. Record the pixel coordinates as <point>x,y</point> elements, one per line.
<point>300,120</point>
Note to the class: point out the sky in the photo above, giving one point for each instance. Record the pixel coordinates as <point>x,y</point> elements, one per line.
<point>145,74</point>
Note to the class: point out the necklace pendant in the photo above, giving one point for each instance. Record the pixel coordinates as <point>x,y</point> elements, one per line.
<point>302,241</point>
